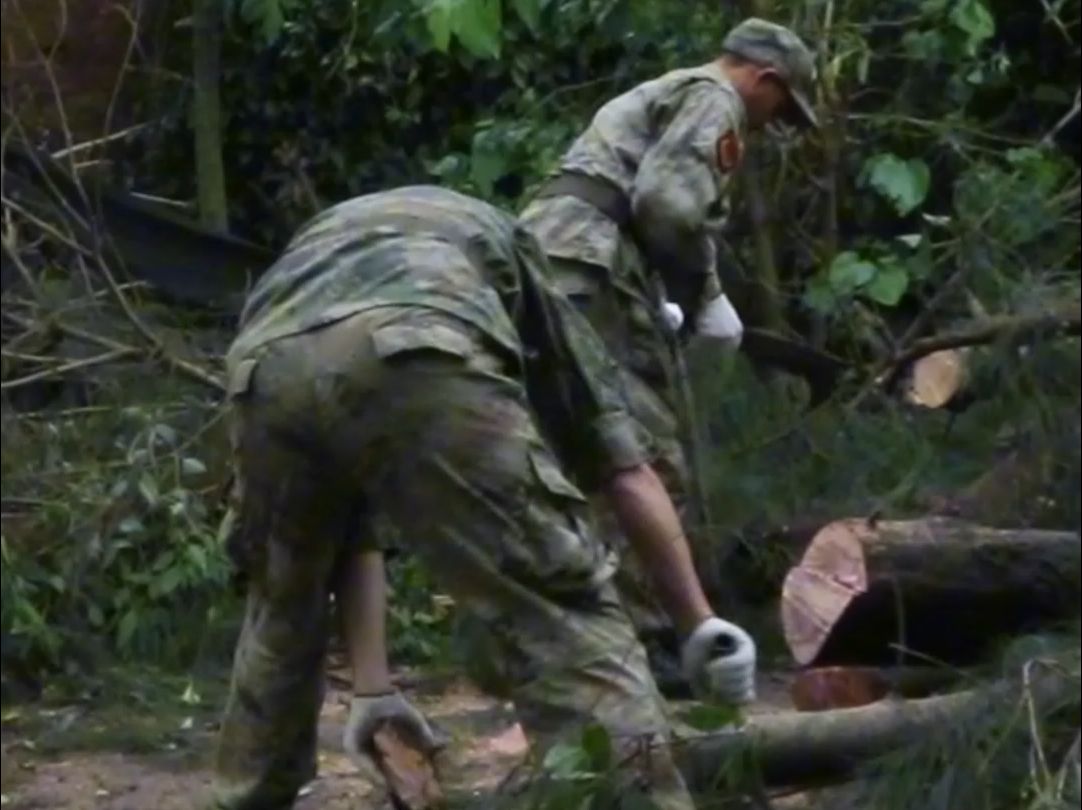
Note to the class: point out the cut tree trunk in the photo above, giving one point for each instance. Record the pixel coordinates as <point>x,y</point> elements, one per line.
<point>936,379</point>
<point>816,690</point>
<point>870,593</point>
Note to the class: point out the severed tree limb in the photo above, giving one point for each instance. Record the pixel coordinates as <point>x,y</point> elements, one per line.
<point>796,749</point>
<point>808,749</point>
<point>1063,320</point>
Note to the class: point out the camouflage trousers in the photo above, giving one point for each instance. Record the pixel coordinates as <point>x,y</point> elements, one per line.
<point>630,332</point>
<point>406,414</point>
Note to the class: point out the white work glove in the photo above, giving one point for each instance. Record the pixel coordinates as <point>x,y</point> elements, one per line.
<point>673,316</point>
<point>719,320</point>
<point>718,659</point>
<point>366,712</point>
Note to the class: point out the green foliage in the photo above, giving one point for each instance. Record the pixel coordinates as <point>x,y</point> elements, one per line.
<point>419,619</point>
<point>904,182</point>
<point>122,556</point>
<point>583,775</point>
<point>1020,755</point>
<point>268,17</point>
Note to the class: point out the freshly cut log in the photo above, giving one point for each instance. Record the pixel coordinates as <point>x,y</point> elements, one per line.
<point>874,592</point>
<point>936,379</point>
<point>410,775</point>
<point>816,690</point>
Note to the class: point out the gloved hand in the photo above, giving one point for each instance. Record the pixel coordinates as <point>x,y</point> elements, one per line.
<point>366,712</point>
<point>719,662</point>
<point>673,316</point>
<point>719,320</point>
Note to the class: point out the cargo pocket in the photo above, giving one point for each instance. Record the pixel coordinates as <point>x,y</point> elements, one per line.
<point>397,339</point>
<point>569,559</point>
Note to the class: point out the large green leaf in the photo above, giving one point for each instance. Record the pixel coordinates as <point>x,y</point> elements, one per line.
<point>478,25</point>
<point>889,285</point>
<point>529,11</point>
<point>598,747</point>
<point>904,182</point>
<point>975,21</point>
<point>849,271</point>
<point>566,761</point>
<point>439,18</point>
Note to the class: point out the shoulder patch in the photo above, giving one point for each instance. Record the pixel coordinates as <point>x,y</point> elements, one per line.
<point>730,151</point>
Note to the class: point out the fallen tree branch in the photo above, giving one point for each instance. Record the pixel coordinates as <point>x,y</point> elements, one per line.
<point>1062,320</point>
<point>1065,320</point>
<point>807,749</point>
<point>185,367</point>
<point>797,749</point>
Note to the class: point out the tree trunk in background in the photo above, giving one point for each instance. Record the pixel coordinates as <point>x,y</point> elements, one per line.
<point>867,592</point>
<point>764,308</point>
<point>207,20</point>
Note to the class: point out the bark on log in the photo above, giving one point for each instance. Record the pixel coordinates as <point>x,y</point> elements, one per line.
<point>864,593</point>
<point>816,690</point>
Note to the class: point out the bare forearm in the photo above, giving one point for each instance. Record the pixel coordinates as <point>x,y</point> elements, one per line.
<point>648,519</point>
<point>362,598</point>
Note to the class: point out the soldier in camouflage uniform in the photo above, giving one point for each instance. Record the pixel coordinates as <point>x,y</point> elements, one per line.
<point>402,361</point>
<point>628,219</point>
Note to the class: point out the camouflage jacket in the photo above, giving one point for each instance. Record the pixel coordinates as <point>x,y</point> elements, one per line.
<point>432,249</point>
<point>664,144</point>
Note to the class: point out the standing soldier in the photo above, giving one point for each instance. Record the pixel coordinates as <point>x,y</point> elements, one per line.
<point>628,222</point>
<point>402,360</point>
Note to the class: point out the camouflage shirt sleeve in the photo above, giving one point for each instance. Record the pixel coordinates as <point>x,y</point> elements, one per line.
<point>679,191</point>
<point>573,383</point>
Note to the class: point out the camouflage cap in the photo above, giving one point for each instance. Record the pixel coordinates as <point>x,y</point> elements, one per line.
<point>773,45</point>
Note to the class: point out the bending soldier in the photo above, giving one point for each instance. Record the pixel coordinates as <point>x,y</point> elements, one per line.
<point>407,358</point>
<point>628,222</point>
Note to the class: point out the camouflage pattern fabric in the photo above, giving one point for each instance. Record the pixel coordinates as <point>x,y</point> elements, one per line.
<point>658,143</point>
<point>414,414</point>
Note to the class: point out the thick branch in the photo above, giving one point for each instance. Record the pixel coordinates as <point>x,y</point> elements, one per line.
<point>1064,320</point>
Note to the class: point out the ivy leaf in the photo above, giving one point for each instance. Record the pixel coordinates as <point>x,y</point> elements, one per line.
<point>849,271</point>
<point>529,11</point>
<point>488,162</point>
<point>889,285</point>
<point>566,761</point>
<point>439,18</point>
<point>904,182</point>
<point>820,297</point>
<point>711,717</point>
<point>972,18</point>
<point>478,24</point>
<point>597,745</point>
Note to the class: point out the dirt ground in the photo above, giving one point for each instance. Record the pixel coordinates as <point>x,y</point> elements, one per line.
<point>486,744</point>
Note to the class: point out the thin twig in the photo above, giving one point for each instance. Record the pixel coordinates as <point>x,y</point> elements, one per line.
<point>190,370</point>
<point>57,371</point>
<point>1067,118</point>
<point>108,139</point>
